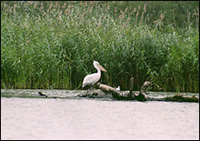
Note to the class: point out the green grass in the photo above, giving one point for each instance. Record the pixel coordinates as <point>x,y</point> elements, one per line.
<point>46,45</point>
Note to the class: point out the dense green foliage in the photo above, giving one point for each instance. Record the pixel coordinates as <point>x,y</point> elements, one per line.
<point>53,44</point>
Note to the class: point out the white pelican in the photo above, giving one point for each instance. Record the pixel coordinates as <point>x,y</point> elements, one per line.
<point>91,79</point>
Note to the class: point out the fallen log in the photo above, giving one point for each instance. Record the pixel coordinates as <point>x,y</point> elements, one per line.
<point>108,91</point>
<point>176,98</point>
<point>127,95</point>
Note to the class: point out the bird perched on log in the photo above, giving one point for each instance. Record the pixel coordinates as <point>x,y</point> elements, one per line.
<point>91,79</point>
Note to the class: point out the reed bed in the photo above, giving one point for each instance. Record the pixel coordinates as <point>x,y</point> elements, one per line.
<point>51,45</point>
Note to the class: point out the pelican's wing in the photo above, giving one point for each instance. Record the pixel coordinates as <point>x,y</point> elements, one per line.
<point>90,79</point>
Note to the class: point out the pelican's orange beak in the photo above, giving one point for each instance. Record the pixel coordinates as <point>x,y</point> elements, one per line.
<point>100,67</point>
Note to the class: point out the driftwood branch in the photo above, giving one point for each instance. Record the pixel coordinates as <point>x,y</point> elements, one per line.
<point>141,96</point>
<point>177,98</point>
<point>106,90</point>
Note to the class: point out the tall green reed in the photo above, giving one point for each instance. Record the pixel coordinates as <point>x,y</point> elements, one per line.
<point>53,45</point>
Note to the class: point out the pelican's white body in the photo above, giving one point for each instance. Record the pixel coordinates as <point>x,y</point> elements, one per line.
<point>91,79</point>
